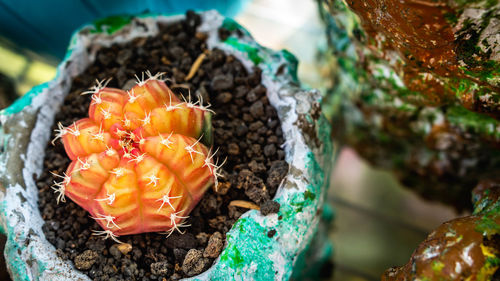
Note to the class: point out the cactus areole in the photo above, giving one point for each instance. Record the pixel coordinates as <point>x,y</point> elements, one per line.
<point>139,161</point>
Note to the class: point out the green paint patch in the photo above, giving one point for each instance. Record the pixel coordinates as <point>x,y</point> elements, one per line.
<point>286,211</point>
<point>308,195</point>
<point>302,200</point>
<point>231,25</point>
<point>290,58</point>
<point>246,249</point>
<point>111,24</point>
<point>368,98</point>
<point>479,206</point>
<point>489,69</point>
<point>232,257</point>
<point>350,66</point>
<point>451,18</point>
<point>316,175</point>
<point>488,225</point>
<point>437,266</point>
<point>493,261</point>
<point>251,51</point>
<point>293,63</point>
<point>328,213</point>
<point>298,201</point>
<point>3,223</point>
<point>13,249</point>
<point>241,225</point>
<point>299,206</point>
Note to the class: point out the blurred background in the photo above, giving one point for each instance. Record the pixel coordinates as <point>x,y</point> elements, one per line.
<point>378,223</point>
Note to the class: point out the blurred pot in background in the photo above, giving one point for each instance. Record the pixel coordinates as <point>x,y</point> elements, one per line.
<point>415,89</point>
<point>465,248</point>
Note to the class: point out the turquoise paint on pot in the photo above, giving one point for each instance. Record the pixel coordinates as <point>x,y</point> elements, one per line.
<point>3,223</point>
<point>233,25</point>
<point>249,253</point>
<point>251,51</point>
<point>17,267</point>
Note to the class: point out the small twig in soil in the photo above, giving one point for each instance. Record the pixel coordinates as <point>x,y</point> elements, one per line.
<point>244,204</point>
<point>196,65</point>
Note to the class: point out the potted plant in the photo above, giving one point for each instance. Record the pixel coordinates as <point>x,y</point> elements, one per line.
<point>270,130</point>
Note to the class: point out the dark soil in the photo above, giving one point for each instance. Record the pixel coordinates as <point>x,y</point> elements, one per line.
<point>246,129</point>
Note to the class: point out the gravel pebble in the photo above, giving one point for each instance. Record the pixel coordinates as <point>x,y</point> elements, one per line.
<point>276,173</point>
<point>269,207</point>
<point>224,97</point>
<point>115,252</point>
<point>194,262</point>
<point>257,109</point>
<point>233,149</point>
<point>222,82</point>
<point>269,150</point>
<point>160,268</point>
<point>214,246</point>
<point>85,260</point>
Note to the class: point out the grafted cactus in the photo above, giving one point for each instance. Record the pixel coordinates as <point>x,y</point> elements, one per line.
<point>138,161</point>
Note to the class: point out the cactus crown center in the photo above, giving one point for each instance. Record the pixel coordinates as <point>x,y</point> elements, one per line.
<point>138,161</point>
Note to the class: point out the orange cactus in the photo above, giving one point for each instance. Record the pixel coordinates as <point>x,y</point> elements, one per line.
<point>138,162</point>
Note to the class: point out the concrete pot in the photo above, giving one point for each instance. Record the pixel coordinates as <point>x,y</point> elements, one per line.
<point>249,254</point>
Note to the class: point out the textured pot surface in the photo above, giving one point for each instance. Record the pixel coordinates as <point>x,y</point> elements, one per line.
<point>249,253</point>
<point>418,92</point>
<point>412,94</point>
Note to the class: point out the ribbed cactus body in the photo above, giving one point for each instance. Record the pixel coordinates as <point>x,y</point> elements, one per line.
<point>138,162</point>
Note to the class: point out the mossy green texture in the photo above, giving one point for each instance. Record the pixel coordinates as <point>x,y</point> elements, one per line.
<point>474,122</point>
<point>489,212</point>
<point>355,80</point>
<point>399,122</point>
